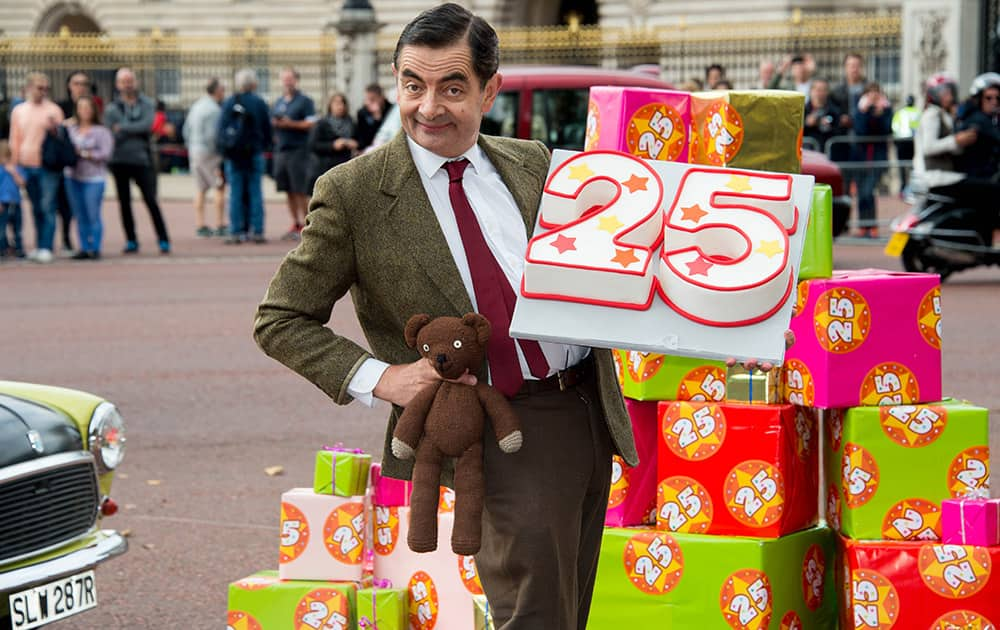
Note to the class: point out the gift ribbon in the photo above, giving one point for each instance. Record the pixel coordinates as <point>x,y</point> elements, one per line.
<point>372,623</point>
<point>980,493</point>
<point>338,448</point>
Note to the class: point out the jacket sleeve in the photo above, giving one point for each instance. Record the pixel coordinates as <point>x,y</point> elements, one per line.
<point>105,146</point>
<point>321,139</point>
<point>930,131</point>
<point>290,324</point>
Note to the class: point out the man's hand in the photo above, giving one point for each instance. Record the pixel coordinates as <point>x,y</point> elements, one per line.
<point>751,364</point>
<point>965,137</point>
<point>400,383</point>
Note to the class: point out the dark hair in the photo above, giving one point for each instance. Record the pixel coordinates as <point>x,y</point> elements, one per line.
<point>336,95</point>
<point>798,59</point>
<point>448,24</point>
<point>375,88</point>
<point>854,55</point>
<point>723,84</point>
<point>212,85</point>
<point>715,66</point>
<point>69,77</point>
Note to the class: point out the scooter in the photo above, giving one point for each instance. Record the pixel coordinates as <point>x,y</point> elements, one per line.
<point>942,235</point>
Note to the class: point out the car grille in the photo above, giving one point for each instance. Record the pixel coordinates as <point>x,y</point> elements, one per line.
<point>42,509</point>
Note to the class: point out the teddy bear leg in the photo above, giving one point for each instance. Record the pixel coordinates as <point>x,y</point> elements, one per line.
<point>469,488</point>
<point>424,499</point>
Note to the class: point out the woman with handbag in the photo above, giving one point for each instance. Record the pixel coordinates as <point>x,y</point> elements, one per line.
<point>85,181</point>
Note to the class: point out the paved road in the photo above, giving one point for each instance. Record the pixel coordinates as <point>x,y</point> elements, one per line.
<point>168,339</point>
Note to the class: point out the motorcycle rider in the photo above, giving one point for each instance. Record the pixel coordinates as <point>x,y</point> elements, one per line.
<point>981,113</point>
<point>937,144</point>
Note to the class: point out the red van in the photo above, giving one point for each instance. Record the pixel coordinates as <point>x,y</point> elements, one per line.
<point>549,103</point>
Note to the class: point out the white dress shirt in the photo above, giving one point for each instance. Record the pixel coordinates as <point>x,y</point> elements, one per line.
<point>503,229</point>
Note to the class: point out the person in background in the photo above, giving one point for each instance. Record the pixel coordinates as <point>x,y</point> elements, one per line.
<point>245,168</point>
<point>799,70</point>
<point>199,131</point>
<point>293,115</point>
<point>78,84</point>
<point>981,113</point>
<point>937,144</point>
<point>873,118</point>
<point>693,84</point>
<point>331,139</point>
<point>723,84</point>
<point>130,119</point>
<point>10,205</point>
<point>822,118</point>
<point>85,181</point>
<point>765,74</point>
<point>713,74</point>
<point>371,115</point>
<point>904,126</point>
<point>30,122</point>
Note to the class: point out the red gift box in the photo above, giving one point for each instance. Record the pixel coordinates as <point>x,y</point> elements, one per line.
<point>902,585</point>
<point>737,469</point>
<point>632,500</point>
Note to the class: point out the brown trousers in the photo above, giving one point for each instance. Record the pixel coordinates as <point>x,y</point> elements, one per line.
<point>544,512</point>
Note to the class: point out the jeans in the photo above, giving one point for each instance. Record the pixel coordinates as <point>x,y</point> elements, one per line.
<point>42,186</point>
<point>10,214</point>
<point>145,179</point>
<point>85,198</point>
<point>246,178</point>
<point>867,179</point>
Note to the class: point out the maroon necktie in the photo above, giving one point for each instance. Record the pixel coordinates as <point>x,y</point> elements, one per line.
<point>494,295</point>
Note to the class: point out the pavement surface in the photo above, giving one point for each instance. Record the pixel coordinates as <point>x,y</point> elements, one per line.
<point>168,339</point>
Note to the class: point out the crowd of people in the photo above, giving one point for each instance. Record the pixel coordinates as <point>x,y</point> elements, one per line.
<point>58,157</point>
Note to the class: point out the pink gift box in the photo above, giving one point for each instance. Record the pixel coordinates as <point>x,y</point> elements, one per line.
<point>440,583</point>
<point>389,491</point>
<point>971,521</point>
<point>865,338</point>
<point>632,500</point>
<point>322,536</point>
<point>652,124</point>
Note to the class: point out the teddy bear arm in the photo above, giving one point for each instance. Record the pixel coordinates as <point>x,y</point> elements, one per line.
<point>410,426</point>
<point>502,415</point>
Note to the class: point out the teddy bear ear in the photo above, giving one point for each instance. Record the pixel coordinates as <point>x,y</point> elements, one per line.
<point>481,324</point>
<point>413,326</point>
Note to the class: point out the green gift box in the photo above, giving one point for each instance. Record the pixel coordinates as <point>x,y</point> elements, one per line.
<point>657,579</point>
<point>383,608</point>
<point>263,602</point>
<point>340,471</point>
<point>817,249</point>
<point>888,468</point>
<point>484,616</point>
<point>651,376</point>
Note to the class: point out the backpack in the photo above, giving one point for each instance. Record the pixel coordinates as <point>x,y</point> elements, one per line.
<point>234,140</point>
<point>58,151</point>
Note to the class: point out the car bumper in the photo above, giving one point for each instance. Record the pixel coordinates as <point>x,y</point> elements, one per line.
<point>106,544</point>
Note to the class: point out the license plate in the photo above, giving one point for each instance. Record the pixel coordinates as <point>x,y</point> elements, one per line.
<point>53,601</point>
<point>896,244</point>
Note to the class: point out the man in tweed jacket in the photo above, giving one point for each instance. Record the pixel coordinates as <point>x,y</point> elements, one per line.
<point>381,226</point>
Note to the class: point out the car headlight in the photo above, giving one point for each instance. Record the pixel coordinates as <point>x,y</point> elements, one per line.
<point>107,437</point>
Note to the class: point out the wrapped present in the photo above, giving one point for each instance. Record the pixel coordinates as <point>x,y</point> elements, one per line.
<point>651,376</point>
<point>341,471</point>
<point>322,536</point>
<point>632,500</point>
<point>911,584</point>
<point>888,468</point>
<point>439,583</point>
<point>388,491</point>
<point>650,579</point>
<point>484,616</point>
<point>754,129</point>
<point>971,520</point>
<point>754,386</point>
<point>262,601</point>
<point>737,469</point>
<point>864,338</point>
<point>817,250</point>
<point>382,607</point>
<point>649,123</point>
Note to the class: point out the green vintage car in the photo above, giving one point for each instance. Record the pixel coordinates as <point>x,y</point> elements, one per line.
<point>58,450</point>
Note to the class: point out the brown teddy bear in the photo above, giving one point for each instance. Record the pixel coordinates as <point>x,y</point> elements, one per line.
<point>446,420</point>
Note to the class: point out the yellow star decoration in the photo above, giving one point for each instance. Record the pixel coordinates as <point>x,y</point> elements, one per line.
<point>738,183</point>
<point>580,172</point>
<point>609,224</point>
<point>770,248</point>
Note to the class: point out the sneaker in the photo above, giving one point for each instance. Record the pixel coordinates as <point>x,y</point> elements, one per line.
<point>258,239</point>
<point>222,230</point>
<point>81,255</point>
<point>234,239</point>
<point>95,255</point>
<point>43,256</point>
<point>66,252</point>
<point>32,255</point>
<point>293,234</point>
<point>203,232</point>
<point>164,247</point>
<point>131,247</point>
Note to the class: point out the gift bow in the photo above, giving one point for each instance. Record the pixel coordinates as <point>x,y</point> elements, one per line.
<point>372,623</point>
<point>980,493</point>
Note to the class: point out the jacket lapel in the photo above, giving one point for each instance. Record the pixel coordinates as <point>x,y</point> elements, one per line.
<point>525,185</point>
<point>418,233</point>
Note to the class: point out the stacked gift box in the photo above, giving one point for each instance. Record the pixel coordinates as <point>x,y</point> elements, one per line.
<point>343,561</point>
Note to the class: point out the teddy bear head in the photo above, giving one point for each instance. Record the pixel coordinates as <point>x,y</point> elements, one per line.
<point>452,344</point>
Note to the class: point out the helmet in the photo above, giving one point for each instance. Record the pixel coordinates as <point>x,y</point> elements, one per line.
<point>983,81</point>
<point>936,84</point>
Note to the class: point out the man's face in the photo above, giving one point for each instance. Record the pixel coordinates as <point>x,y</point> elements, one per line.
<point>441,102</point>
<point>852,69</point>
<point>819,92</point>
<point>38,91</point>
<point>712,77</point>
<point>79,85</point>
<point>125,82</point>
<point>373,102</point>
<point>800,73</point>
<point>991,100</point>
<point>288,80</point>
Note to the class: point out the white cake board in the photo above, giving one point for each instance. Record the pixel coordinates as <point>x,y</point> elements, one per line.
<point>659,328</point>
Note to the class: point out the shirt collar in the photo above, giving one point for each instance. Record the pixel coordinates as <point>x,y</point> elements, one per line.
<point>430,163</point>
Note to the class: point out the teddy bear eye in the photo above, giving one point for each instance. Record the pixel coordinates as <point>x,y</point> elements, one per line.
<point>427,348</point>
<point>457,344</point>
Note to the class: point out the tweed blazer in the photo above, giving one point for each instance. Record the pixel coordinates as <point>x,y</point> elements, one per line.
<point>371,230</point>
